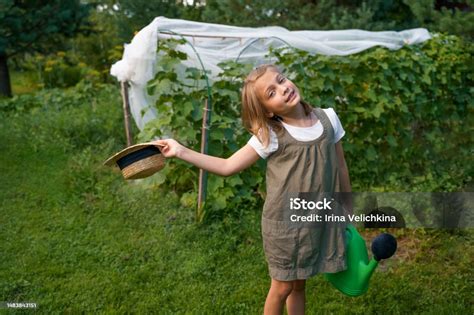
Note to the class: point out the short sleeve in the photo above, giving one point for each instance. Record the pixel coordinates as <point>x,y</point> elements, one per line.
<point>339,131</point>
<point>264,152</point>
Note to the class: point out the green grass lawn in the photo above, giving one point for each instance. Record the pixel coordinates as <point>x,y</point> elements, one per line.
<point>76,237</point>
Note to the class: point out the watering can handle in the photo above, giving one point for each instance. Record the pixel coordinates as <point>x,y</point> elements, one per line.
<point>350,229</point>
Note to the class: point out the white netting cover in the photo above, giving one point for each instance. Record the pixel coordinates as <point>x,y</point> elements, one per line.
<point>216,43</point>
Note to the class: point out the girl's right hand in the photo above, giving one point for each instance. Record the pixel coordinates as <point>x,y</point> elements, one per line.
<point>169,147</point>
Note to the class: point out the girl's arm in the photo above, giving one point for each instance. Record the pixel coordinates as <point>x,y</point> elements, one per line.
<point>344,178</point>
<point>239,161</point>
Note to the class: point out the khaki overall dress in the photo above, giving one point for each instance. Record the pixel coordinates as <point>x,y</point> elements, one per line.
<point>301,166</point>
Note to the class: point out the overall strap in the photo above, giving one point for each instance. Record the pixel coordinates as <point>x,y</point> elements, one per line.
<point>321,114</point>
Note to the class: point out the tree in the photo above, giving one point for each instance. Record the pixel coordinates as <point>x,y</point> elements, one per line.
<point>133,15</point>
<point>37,26</point>
<point>453,17</point>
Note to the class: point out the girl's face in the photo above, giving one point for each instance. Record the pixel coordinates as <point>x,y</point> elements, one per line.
<point>278,94</point>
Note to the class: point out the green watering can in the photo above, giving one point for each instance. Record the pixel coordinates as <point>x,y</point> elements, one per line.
<point>354,281</point>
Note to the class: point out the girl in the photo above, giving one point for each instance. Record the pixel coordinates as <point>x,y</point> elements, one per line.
<point>304,154</point>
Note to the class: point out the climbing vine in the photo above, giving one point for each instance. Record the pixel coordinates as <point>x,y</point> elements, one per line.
<point>407,114</point>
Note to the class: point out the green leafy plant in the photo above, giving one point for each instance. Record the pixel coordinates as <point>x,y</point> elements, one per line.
<point>406,114</point>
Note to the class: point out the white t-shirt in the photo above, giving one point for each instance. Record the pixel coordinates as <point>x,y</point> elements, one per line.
<point>299,133</point>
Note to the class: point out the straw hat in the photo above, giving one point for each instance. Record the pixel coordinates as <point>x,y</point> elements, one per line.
<point>138,161</point>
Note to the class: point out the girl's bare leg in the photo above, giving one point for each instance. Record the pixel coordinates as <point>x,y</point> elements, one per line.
<point>295,303</point>
<point>276,297</point>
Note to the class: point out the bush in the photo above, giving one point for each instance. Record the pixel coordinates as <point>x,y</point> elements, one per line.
<point>73,116</point>
<point>60,70</point>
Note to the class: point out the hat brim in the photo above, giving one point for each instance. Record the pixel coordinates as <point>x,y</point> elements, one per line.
<point>112,161</point>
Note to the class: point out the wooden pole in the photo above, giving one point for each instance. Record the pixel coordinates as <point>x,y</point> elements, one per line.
<point>126,112</point>
<point>204,150</point>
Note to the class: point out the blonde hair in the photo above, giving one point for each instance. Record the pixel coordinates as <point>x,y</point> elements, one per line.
<point>254,118</point>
